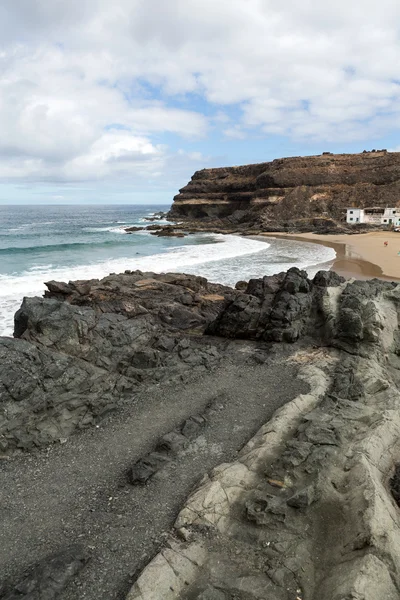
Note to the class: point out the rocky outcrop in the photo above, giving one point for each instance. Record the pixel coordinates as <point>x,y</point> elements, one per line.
<point>279,308</point>
<point>87,346</point>
<point>309,509</point>
<point>300,193</point>
<point>48,578</point>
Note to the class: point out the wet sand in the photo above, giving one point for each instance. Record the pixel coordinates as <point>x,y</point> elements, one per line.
<point>362,256</point>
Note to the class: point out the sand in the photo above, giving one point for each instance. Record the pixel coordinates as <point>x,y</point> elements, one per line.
<point>362,256</point>
<point>78,492</point>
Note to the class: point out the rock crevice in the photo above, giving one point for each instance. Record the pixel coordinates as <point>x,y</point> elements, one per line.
<point>307,509</point>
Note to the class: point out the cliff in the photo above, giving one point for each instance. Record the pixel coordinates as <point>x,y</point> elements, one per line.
<point>300,192</point>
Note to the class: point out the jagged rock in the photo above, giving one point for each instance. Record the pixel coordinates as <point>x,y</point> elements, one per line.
<point>328,279</point>
<point>312,500</point>
<point>192,426</point>
<point>167,449</point>
<point>303,498</point>
<point>172,443</point>
<point>168,233</point>
<point>395,484</point>
<point>324,468</point>
<point>50,577</point>
<point>147,467</point>
<point>87,346</point>
<point>106,337</point>
<point>276,308</point>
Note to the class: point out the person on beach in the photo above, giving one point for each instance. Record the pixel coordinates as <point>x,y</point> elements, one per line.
<point>385,244</point>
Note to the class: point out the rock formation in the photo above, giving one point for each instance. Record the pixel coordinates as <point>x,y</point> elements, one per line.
<point>309,508</point>
<point>88,345</point>
<point>300,193</point>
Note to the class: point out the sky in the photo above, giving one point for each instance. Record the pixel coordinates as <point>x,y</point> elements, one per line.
<point>121,101</point>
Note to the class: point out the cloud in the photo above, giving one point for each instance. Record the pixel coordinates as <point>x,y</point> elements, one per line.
<point>93,94</point>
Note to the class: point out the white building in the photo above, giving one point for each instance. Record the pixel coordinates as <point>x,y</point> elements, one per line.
<point>355,215</point>
<point>374,215</point>
<point>389,216</point>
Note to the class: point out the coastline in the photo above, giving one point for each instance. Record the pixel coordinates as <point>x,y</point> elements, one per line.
<point>359,256</point>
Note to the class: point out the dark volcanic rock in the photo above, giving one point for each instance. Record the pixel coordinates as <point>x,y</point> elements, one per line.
<point>50,577</point>
<point>168,233</point>
<point>133,229</point>
<point>309,508</point>
<point>285,307</point>
<point>395,484</point>
<point>324,468</point>
<point>167,449</point>
<point>275,308</point>
<point>84,348</point>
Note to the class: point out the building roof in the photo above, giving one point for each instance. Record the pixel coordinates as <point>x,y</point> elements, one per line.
<point>380,208</point>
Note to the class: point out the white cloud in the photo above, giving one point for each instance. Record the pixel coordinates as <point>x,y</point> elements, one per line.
<point>78,88</point>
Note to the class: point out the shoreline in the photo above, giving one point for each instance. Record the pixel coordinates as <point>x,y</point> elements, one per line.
<point>360,256</point>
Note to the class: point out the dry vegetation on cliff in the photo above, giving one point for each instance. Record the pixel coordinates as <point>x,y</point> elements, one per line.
<point>300,193</point>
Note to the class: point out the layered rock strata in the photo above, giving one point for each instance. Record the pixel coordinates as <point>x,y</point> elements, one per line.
<point>300,193</point>
<point>307,510</point>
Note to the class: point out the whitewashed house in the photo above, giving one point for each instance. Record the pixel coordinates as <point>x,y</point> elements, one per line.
<point>374,215</point>
<point>389,216</point>
<point>355,215</point>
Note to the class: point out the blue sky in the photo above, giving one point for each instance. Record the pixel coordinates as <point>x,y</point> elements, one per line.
<point>121,102</point>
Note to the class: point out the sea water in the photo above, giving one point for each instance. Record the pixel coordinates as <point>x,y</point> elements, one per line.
<point>41,243</point>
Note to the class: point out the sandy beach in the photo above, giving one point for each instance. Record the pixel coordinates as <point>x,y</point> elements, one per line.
<point>362,256</point>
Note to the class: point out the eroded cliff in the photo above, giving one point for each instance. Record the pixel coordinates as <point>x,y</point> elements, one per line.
<point>299,192</point>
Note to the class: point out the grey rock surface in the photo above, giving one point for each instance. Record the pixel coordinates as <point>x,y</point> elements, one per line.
<point>87,346</point>
<point>307,509</point>
<point>50,577</point>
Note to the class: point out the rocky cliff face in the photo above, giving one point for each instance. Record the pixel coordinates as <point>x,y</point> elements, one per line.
<point>299,192</point>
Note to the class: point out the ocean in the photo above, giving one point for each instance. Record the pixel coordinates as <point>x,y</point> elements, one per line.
<point>40,243</point>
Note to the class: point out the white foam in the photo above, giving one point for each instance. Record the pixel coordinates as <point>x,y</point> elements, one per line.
<point>114,229</point>
<point>25,226</point>
<point>31,283</point>
<point>224,261</point>
<point>156,221</point>
<point>40,268</point>
<point>279,256</point>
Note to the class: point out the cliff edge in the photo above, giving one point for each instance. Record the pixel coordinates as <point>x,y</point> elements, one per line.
<point>301,193</point>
